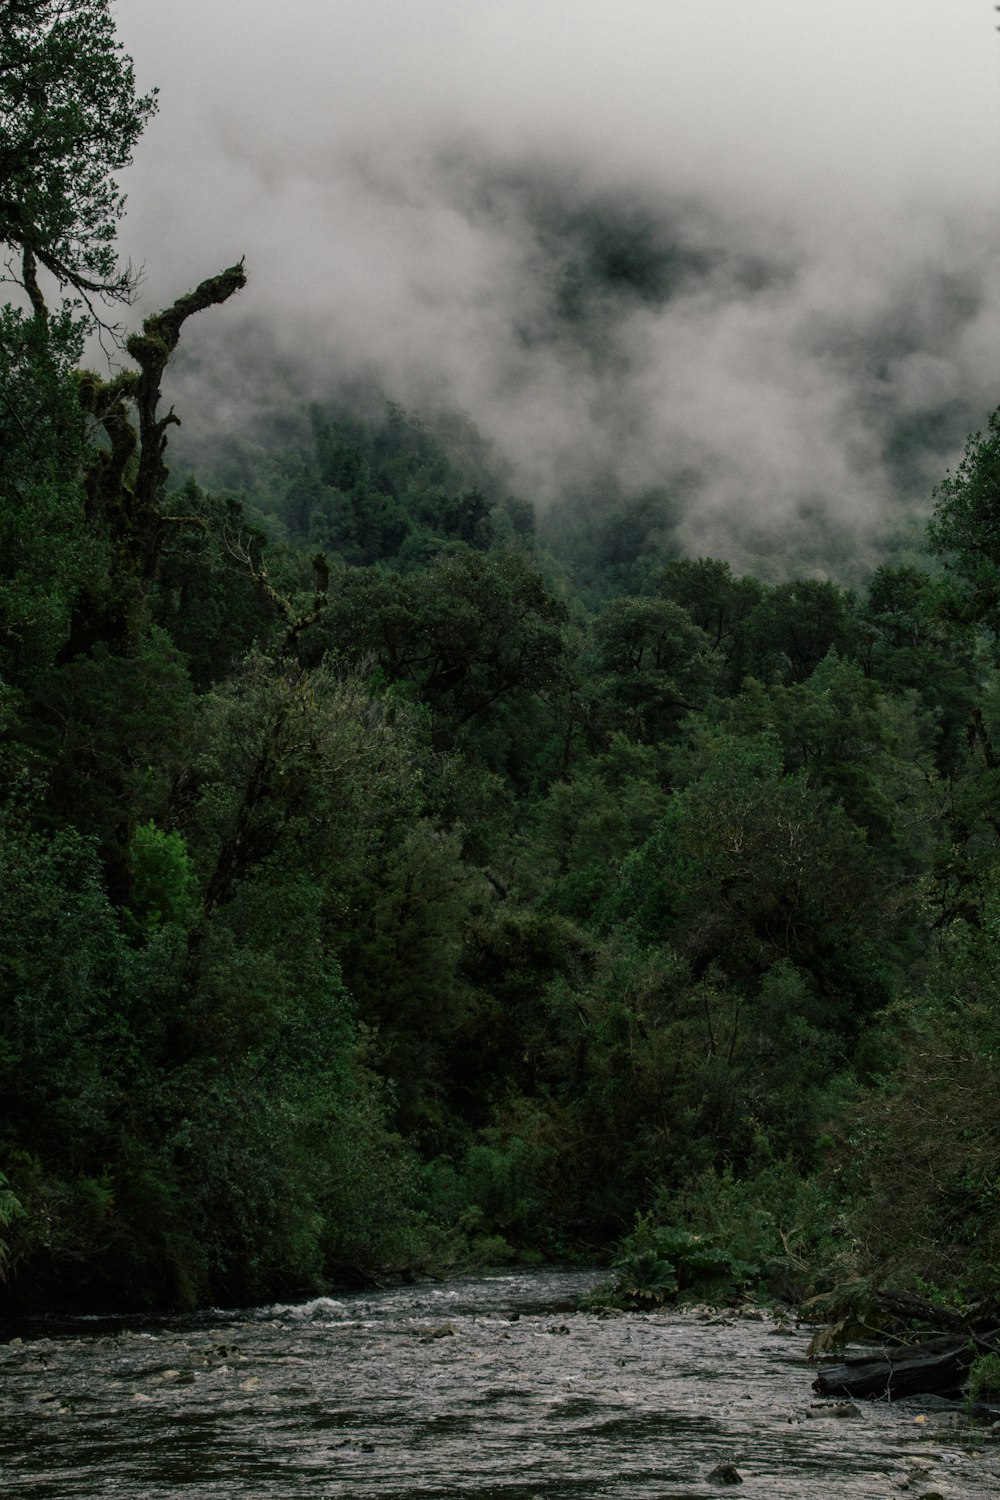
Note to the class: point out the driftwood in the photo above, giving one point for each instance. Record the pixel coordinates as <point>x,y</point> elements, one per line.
<point>905,1306</point>
<point>939,1366</point>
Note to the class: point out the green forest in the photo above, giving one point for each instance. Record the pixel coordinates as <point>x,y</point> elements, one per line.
<point>394,879</point>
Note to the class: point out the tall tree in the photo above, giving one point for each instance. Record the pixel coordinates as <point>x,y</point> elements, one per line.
<point>69,118</point>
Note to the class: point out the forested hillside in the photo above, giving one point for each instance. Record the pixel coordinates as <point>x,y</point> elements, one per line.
<point>392,879</point>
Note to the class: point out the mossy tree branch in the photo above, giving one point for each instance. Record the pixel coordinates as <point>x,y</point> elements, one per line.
<point>151,349</point>
<point>125,481</point>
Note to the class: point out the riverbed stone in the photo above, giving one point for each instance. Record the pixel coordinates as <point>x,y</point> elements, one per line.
<point>725,1474</point>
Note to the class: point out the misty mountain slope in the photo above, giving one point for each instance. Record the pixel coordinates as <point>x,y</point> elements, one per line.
<point>796,396</point>
<point>716,251</point>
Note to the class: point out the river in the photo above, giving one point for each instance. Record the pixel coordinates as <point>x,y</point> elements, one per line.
<point>491,1388</point>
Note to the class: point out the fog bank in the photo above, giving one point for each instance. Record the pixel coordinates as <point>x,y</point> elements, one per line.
<point>751,251</point>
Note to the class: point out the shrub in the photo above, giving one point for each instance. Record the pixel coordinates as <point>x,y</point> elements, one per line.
<point>984,1378</point>
<point>659,1261</point>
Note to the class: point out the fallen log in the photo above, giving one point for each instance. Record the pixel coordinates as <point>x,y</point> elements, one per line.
<point>905,1307</point>
<point>939,1366</point>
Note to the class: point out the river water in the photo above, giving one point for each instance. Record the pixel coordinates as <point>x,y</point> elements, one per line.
<point>493,1388</point>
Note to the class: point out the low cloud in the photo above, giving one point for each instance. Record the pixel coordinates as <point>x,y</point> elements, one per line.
<point>662,250</point>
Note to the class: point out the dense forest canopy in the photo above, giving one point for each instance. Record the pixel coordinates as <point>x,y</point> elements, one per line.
<point>391,879</point>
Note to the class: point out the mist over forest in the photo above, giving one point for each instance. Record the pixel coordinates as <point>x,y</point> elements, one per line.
<point>742,261</point>
<point>612,342</point>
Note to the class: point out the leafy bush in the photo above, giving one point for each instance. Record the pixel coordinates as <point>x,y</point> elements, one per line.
<point>488,1202</point>
<point>164,887</point>
<point>984,1378</point>
<point>659,1261</point>
<point>794,1229</point>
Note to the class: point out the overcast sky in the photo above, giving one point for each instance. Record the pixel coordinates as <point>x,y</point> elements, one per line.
<point>388,168</point>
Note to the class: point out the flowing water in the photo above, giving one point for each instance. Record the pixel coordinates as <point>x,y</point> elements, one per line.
<point>494,1388</point>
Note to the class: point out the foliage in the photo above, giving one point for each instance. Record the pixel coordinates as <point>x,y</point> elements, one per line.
<point>163,879</point>
<point>751,867</point>
<point>984,1377</point>
<point>69,119</point>
<point>847,1313</point>
<point>719,604</point>
<point>42,439</point>
<point>490,1199</point>
<point>378,892</point>
<point>797,624</point>
<point>653,667</point>
<point>925,1143</point>
<point>370,486</point>
<point>462,636</point>
<point>963,529</point>
<point>657,1262</point>
<point>794,1226</point>
<point>10,1209</point>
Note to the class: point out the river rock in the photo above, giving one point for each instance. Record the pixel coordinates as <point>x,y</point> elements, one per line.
<point>842,1409</point>
<point>725,1474</point>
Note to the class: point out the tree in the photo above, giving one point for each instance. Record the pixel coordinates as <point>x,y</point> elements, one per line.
<point>83,526</point>
<point>925,1143</point>
<point>862,743</point>
<point>719,603</point>
<point>654,666</point>
<point>796,624</point>
<point>589,821</point>
<point>910,645</point>
<point>45,554</point>
<point>468,633</point>
<point>965,529</point>
<point>69,118</point>
<point>750,867</point>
